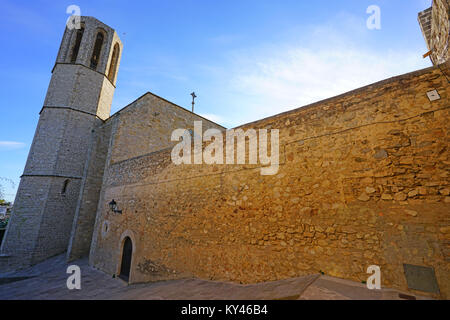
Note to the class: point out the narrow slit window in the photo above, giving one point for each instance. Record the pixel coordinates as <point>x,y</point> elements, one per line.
<point>113,65</point>
<point>64,188</point>
<point>76,47</point>
<point>97,50</point>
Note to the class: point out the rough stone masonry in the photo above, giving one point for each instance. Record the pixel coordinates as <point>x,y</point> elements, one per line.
<point>363,180</point>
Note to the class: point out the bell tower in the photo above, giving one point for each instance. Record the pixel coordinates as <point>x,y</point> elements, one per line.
<point>78,99</point>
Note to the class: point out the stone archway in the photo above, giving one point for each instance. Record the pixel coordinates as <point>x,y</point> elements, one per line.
<point>127,254</point>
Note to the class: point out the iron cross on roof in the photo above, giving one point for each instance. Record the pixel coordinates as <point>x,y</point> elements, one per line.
<point>193,100</point>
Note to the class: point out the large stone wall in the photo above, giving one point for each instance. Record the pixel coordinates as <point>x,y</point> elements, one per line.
<point>57,155</point>
<point>84,220</point>
<point>30,237</point>
<point>77,100</point>
<point>143,127</point>
<point>146,126</point>
<point>363,180</point>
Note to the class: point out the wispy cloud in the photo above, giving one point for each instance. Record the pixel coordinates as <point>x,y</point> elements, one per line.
<point>299,76</point>
<point>8,145</point>
<point>282,76</point>
<point>426,3</point>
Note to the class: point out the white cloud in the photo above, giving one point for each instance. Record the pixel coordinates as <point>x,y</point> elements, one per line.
<point>7,145</point>
<point>300,76</point>
<point>426,4</point>
<point>285,76</point>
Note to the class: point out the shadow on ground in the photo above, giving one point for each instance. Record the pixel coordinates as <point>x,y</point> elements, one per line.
<point>47,280</point>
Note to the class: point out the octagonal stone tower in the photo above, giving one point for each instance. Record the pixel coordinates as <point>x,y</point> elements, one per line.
<point>78,99</point>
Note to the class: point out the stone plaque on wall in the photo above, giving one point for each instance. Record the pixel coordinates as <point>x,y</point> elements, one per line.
<point>421,278</point>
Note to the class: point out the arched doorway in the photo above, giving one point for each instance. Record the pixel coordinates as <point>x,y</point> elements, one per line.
<point>127,253</point>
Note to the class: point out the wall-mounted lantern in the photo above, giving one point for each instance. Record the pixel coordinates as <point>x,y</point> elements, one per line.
<point>113,207</point>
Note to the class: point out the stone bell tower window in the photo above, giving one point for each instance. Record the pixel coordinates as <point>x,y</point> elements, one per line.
<point>97,49</point>
<point>76,46</point>
<point>113,65</point>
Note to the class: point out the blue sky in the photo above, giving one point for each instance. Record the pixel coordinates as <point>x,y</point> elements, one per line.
<point>245,59</point>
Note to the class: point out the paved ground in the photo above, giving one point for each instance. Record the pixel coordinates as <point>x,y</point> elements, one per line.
<point>47,280</point>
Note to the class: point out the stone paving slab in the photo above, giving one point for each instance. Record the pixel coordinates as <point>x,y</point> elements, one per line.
<point>48,281</point>
<point>329,288</point>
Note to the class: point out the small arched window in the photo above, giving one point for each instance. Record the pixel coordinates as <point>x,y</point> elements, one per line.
<point>76,46</point>
<point>97,50</point>
<point>64,188</point>
<point>113,65</point>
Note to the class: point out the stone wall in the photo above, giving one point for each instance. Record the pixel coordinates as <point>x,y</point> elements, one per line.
<point>42,215</point>
<point>440,27</point>
<point>77,100</point>
<point>435,25</point>
<point>424,18</point>
<point>144,127</point>
<point>363,180</point>
<point>91,28</point>
<point>83,223</point>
